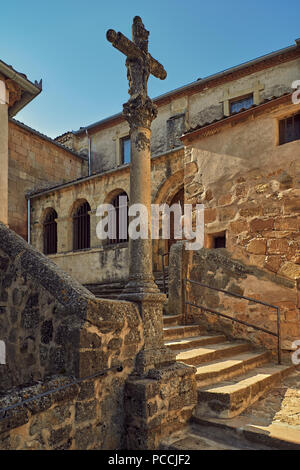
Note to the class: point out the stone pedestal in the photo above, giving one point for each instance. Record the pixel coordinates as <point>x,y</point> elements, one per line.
<point>158,405</point>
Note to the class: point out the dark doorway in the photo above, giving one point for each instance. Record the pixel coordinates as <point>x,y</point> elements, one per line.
<point>178,198</point>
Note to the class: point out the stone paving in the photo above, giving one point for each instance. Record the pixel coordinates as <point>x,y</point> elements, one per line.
<point>281,405</point>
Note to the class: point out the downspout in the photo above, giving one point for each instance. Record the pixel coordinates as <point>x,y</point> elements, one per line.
<point>89,161</point>
<point>28,221</point>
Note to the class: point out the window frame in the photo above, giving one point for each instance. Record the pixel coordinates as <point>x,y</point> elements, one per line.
<point>50,232</point>
<point>285,119</point>
<point>115,202</point>
<point>122,140</point>
<point>81,235</point>
<point>240,98</point>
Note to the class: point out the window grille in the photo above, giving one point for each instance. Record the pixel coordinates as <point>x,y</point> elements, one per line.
<point>50,233</point>
<point>81,227</point>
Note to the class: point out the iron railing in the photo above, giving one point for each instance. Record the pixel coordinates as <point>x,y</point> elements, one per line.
<point>210,310</point>
<point>164,272</point>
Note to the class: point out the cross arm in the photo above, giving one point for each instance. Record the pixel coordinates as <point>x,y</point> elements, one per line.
<point>128,48</point>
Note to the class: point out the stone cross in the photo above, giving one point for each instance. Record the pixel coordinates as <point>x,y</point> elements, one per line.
<point>139,62</point>
<point>139,111</point>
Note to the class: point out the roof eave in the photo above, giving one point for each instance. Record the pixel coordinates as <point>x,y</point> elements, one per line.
<point>194,134</point>
<point>196,83</point>
<point>30,90</point>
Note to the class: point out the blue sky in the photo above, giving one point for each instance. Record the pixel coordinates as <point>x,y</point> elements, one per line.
<point>84,77</point>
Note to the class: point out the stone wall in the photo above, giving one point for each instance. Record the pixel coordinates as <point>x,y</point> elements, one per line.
<point>72,362</point>
<point>48,320</point>
<point>69,416</point>
<point>217,268</point>
<point>34,163</point>
<point>53,327</point>
<point>249,185</point>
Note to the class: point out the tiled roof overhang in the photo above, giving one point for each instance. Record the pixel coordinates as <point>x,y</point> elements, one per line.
<point>270,60</point>
<point>212,128</point>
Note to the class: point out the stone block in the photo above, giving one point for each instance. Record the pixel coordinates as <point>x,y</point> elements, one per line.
<point>278,246</point>
<point>290,270</point>
<point>257,246</point>
<point>259,225</point>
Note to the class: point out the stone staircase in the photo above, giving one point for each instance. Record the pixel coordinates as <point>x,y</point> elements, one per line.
<point>231,375</point>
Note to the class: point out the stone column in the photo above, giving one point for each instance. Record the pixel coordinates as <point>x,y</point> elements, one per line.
<point>140,251</point>
<point>95,242</point>
<point>4,98</point>
<point>141,287</point>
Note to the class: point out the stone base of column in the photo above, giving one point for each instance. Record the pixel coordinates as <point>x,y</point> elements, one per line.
<point>138,286</point>
<point>154,352</point>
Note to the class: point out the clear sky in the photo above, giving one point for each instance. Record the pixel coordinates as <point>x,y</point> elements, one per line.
<point>84,77</point>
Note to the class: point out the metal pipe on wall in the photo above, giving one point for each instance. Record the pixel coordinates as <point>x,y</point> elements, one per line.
<point>28,221</point>
<point>89,154</point>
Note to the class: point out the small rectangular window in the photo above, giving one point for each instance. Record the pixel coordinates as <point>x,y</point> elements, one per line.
<point>289,129</point>
<point>125,150</point>
<point>216,240</point>
<point>241,103</point>
<point>220,242</point>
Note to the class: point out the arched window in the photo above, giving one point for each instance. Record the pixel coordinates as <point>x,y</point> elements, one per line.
<point>120,204</point>
<point>81,227</point>
<point>50,233</point>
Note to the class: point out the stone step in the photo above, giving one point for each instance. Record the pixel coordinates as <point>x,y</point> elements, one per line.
<point>190,342</point>
<point>225,369</point>
<point>172,320</point>
<point>190,439</point>
<point>241,431</point>
<point>197,356</point>
<point>181,331</point>
<point>230,398</point>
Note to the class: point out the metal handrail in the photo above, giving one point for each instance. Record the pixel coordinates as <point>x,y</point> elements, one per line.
<point>163,270</point>
<point>277,335</point>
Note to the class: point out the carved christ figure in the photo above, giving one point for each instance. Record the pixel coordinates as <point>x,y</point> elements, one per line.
<point>139,62</point>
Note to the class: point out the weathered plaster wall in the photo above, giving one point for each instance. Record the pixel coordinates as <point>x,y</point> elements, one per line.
<point>208,105</point>
<point>198,108</point>
<point>98,265</point>
<point>35,163</point>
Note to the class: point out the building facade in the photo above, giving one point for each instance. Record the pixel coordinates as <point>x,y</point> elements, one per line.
<point>230,123</point>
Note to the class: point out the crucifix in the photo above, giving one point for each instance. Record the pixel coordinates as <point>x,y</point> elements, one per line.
<point>139,111</point>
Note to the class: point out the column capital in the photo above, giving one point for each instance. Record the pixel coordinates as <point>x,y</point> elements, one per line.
<point>140,112</point>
